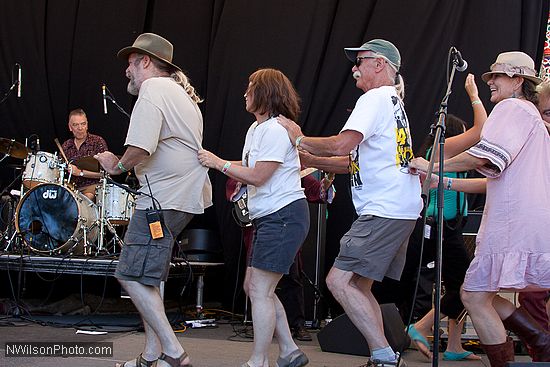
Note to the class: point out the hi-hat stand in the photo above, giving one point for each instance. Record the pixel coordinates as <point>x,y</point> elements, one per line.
<point>13,207</point>
<point>10,229</point>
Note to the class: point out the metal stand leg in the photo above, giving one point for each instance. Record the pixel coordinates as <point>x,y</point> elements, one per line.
<point>102,214</point>
<point>87,250</point>
<point>116,239</point>
<point>200,292</point>
<point>10,241</point>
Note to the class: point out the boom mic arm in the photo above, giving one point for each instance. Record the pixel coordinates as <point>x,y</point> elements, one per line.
<point>132,191</point>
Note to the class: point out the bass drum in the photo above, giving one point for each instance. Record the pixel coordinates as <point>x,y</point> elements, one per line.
<point>52,219</point>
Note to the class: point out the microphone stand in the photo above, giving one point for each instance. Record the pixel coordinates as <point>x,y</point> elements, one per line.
<point>110,98</point>
<point>439,141</point>
<point>13,86</point>
<point>7,94</point>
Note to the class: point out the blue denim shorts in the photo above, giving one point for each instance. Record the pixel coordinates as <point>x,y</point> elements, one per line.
<point>279,236</point>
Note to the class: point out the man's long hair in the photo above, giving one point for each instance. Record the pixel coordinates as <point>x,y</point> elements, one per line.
<point>179,77</point>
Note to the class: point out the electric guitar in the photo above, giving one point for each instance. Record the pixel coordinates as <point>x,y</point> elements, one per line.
<point>240,202</point>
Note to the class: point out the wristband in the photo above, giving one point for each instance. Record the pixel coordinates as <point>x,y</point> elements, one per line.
<point>298,140</point>
<point>225,167</point>
<point>449,183</point>
<point>477,101</point>
<point>121,167</point>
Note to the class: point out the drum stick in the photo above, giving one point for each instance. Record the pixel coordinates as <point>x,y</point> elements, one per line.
<point>61,150</point>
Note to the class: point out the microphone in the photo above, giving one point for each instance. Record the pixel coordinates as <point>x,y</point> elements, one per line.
<point>18,80</point>
<point>104,99</point>
<point>460,63</point>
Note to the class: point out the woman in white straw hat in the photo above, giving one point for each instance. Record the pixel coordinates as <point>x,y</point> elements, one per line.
<point>512,252</point>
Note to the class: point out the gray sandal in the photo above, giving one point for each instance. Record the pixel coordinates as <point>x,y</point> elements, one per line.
<point>295,359</point>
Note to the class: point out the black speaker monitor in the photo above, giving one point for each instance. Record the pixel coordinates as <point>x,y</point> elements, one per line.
<point>341,336</point>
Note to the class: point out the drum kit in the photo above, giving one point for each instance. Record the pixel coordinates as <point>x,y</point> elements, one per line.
<point>52,217</point>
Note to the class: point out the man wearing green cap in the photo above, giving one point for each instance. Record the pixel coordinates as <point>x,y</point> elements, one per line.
<point>375,148</point>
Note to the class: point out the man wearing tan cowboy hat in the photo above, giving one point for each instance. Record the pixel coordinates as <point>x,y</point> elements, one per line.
<point>386,197</point>
<point>512,252</point>
<point>163,138</point>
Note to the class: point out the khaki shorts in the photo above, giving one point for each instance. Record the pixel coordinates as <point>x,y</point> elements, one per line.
<point>375,247</point>
<point>143,259</point>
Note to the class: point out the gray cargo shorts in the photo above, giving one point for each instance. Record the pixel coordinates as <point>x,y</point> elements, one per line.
<point>375,247</point>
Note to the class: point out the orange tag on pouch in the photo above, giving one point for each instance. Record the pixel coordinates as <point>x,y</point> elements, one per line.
<point>156,230</point>
<point>154,219</point>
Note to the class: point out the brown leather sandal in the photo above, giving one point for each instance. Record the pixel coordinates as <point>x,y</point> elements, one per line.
<point>140,362</point>
<point>175,362</point>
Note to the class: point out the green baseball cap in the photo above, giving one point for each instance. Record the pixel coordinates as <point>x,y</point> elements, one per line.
<point>380,46</point>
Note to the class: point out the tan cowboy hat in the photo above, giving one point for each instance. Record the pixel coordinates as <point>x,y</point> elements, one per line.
<point>153,45</point>
<point>514,63</point>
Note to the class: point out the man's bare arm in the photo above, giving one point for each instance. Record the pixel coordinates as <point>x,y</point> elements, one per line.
<point>328,164</point>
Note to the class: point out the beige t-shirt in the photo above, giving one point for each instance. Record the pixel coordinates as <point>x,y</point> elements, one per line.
<point>168,124</point>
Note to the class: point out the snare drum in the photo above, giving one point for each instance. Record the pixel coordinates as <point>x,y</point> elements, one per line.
<point>118,204</point>
<point>42,167</point>
<point>53,219</point>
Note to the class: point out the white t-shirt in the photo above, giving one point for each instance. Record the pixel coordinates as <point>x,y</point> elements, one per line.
<point>269,141</point>
<point>380,182</point>
<point>167,123</point>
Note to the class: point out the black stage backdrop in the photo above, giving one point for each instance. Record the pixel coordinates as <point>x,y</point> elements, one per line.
<point>67,51</point>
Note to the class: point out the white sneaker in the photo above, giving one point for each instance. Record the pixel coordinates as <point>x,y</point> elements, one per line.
<point>399,362</point>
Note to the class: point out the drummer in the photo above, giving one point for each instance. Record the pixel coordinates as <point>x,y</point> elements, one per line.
<point>83,144</point>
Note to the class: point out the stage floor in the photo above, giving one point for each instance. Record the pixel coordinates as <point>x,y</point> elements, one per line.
<point>215,347</point>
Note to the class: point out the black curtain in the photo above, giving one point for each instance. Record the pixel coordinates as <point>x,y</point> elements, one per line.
<point>67,51</point>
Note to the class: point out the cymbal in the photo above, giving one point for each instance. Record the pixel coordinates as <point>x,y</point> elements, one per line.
<point>88,163</point>
<point>13,148</point>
